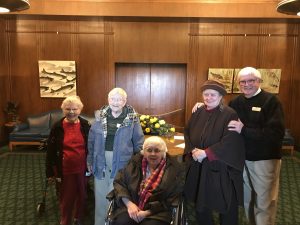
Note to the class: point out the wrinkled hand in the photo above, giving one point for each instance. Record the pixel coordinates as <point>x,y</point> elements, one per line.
<point>196,106</point>
<point>198,154</point>
<point>141,215</point>
<point>235,125</point>
<point>133,211</point>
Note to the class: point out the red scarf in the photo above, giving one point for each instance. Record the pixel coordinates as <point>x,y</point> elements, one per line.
<point>149,184</point>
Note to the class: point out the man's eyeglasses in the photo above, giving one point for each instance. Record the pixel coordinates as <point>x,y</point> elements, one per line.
<point>155,150</point>
<point>244,82</point>
<point>69,109</point>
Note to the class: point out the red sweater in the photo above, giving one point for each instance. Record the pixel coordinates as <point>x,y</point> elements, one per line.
<point>74,158</point>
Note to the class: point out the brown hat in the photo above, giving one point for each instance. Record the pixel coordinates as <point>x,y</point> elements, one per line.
<point>211,84</point>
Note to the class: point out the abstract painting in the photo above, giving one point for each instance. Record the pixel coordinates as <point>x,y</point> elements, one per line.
<point>222,75</point>
<point>57,78</point>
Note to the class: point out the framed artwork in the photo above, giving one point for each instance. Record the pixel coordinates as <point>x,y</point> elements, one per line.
<point>222,75</point>
<point>235,86</point>
<point>270,80</point>
<point>57,78</point>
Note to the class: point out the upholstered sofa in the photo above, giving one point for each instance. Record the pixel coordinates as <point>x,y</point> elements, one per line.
<point>36,129</point>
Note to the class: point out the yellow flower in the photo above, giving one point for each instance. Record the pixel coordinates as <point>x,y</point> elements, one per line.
<point>162,122</point>
<point>154,125</point>
<point>172,129</point>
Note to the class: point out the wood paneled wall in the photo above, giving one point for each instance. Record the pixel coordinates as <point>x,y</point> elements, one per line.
<point>158,8</point>
<point>97,43</point>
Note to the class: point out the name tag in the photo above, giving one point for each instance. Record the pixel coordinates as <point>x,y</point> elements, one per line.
<point>256,109</point>
<point>118,125</point>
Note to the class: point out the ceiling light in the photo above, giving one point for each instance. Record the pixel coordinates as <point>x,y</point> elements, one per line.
<point>13,5</point>
<point>290,7</point>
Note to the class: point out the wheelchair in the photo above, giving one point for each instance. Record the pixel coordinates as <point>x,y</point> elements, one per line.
<point>178,211</point>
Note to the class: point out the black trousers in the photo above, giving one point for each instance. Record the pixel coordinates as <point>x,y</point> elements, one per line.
<point>205,217</point>
<point>124,219</point>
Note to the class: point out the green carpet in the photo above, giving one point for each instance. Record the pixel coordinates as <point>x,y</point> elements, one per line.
<point>22,182</point>
<point>288,212</point>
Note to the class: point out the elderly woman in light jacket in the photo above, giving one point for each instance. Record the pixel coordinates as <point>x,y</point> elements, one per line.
<point>113,139</point>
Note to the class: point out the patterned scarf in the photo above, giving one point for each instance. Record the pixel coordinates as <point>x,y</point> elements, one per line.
<point>149,184</point>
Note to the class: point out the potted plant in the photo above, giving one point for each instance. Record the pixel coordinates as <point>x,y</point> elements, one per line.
<point>11,111</point>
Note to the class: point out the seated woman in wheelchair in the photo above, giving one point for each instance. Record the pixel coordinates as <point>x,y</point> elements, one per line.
<point>146,188</point>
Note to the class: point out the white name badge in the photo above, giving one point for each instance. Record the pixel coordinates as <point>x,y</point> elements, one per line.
<point>118,125</point>
<point>256,109</point>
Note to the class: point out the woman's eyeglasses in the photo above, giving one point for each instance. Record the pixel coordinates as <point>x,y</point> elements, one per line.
<point>70,109</point>
<point>155,150</point>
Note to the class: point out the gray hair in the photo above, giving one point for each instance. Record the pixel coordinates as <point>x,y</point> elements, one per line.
<point>157,142</point>
<point>119,91</point>
<point>72,100</point>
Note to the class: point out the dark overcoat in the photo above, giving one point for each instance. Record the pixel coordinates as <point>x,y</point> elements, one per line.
<point>212,183</point>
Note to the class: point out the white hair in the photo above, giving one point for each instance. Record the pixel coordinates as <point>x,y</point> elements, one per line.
<point>249,71</point>
<point>119,91</point>
<point>72,99</point>
<point>157,142</point>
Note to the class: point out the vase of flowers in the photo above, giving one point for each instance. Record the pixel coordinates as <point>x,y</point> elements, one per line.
<point>155,126</point>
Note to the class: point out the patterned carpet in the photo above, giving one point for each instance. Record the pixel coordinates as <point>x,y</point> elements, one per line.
<point>22,183</point>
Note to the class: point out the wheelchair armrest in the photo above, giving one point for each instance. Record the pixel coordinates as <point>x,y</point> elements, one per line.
<point>111,206</point>
<point>176,202</point>
<point>178,212</point>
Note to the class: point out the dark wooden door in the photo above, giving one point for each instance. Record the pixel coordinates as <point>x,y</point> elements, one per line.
<point>155,89</point>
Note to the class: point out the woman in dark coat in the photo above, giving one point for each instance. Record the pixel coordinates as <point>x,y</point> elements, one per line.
<point>215,158</point>
<point>146,187</point>
<point>66,160</point>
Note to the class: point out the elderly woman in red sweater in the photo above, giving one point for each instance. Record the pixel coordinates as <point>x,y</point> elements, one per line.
<point>66,160</point>
<point>214,179</point>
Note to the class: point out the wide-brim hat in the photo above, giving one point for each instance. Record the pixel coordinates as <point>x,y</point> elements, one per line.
<point>214,85</point>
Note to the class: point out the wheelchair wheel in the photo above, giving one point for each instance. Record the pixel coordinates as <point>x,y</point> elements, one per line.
<point>40,209</point>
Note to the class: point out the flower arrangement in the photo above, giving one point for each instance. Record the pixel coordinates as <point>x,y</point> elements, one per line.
<point>154,125</point>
